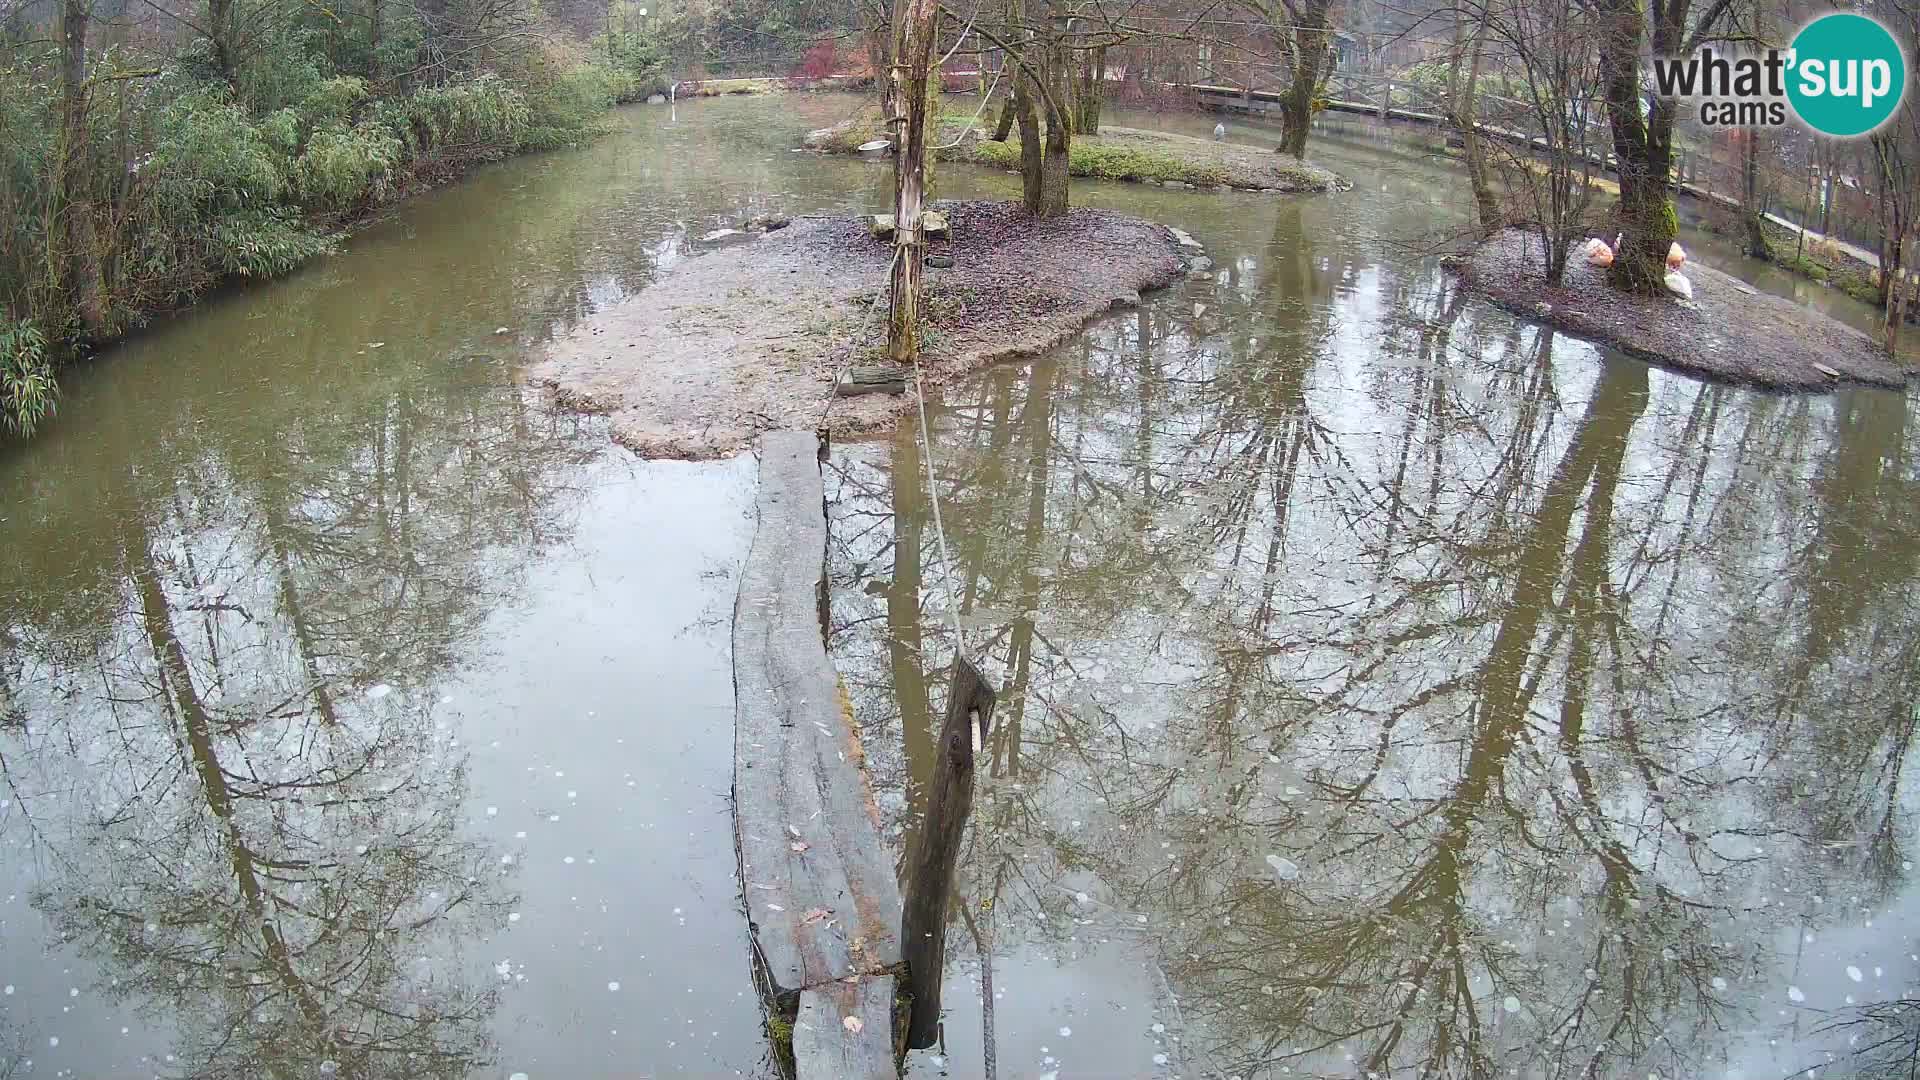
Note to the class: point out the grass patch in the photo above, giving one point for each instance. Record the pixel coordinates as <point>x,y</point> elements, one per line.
<point>1101,162</point>
<point>1855,283</point>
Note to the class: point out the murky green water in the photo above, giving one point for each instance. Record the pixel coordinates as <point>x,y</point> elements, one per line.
<point>1374,663</point>
<point>1393,688</point>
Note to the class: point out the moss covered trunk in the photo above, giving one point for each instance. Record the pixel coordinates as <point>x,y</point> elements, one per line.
<point>1053,172</point>
<point>1087,95</point>
<point>1003,127</point>
<point>1310,61</point>
<point>1030,150</point>
<point>1643,134</point>
<point>1058,98</point>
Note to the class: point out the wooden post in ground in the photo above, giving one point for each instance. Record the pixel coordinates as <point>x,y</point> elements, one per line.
<point>936,851</point>
<point>913,55</point>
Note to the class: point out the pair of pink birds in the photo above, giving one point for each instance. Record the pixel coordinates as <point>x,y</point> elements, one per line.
<point>1600,253</point>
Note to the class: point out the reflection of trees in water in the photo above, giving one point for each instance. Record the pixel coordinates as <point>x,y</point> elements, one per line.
<point>1482,646</point>
<point>230,759</point>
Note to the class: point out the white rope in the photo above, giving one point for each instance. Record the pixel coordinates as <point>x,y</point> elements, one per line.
<point>984,100</point>
<point>939,528</point>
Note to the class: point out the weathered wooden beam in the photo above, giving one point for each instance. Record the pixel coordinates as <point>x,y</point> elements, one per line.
<point>843,1031</point>
<point>822,901</point>
<point>936,850</point>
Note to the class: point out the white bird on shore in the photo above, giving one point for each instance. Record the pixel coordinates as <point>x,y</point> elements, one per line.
<point>1678,285</point>
<point>1219,131</point>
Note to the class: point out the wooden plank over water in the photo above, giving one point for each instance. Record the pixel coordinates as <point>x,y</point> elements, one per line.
<point>825,1045</point>
<point>822,901</point>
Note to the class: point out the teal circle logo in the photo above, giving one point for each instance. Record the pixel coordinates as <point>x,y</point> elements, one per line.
<point>1847,75</point>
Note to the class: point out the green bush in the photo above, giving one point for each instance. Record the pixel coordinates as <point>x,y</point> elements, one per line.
<point>638,63</point>
<point>342,165</point>
<point>189,176</point>
<point>212,156</point>
<point>567,109</point>
<point>26,378</point>
<point>484,116</point>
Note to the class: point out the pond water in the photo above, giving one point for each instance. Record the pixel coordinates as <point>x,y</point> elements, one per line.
<point>1389,684</point>
<point>1392,687</point>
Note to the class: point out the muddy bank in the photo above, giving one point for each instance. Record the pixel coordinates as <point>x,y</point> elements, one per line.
<point>752,338</point>
<point>1161,158</point>
<point>1729,330</point>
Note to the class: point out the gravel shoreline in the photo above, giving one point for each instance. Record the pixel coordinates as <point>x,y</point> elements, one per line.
<point>1730,331</point>
<point>752,338</point>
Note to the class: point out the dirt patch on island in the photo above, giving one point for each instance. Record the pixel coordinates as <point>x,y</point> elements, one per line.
<point>1729,330</point>
<point>752,337</point>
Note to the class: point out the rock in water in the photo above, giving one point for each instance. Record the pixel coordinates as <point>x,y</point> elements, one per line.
<point>656,99</point>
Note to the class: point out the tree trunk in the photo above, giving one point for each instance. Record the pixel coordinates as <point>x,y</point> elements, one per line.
<point>1463,98</point>
<point>1757,245</point>
<point>1896,300</point>
<point>1092,83</point>
<point>1057,99</point>
<point>376,19</point>
<point>935,854</point>
<point>913,39</point>
<point>1008,112</point>
<point>1642,144</point>
<point>1098,100</point>
<point>220,30</point>
<point>1310,49</point>
<point>79,269</point>
<point>1010,65</point>
<point>1030,149</point>
<point>1053,171</point>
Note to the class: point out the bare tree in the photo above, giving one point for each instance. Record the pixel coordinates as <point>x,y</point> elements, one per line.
<point>1643,126</point>
<point>1303,31</point>
<point>1544,52</point>
<point>914,24</point>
